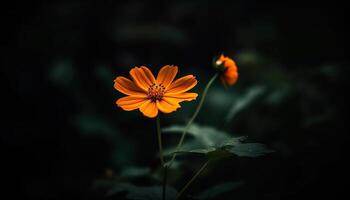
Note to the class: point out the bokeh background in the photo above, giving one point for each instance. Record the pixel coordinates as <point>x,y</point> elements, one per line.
<point>62,131</point>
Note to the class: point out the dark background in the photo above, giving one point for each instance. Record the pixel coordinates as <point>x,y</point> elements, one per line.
<point>62,130</point>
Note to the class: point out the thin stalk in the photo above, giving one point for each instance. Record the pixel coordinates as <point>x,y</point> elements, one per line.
<point>161,156</point>
<point>193,117</point>
<point>192,179</point>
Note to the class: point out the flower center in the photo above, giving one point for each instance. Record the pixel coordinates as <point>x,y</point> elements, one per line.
<point>156,92</point>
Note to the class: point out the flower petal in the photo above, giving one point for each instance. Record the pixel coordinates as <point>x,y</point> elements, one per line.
<point>177,98</point>
<point>166,75</point>
<point>126,86</point>
<point>230,80</point>
<point>149,109</point>
<point>167,106</point>
<point>230,63</point>
<point>231,75</point>
<point>129,103</point>
<point>222,57</point>
<point>142,77</point>
<point>182,85</point>
<point>182,96</point>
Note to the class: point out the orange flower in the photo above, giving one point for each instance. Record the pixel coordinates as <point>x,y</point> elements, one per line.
<point>151,95</point>
<point>229,70</point>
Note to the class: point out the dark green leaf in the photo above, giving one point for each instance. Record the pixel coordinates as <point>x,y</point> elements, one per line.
<point>217,144</point>
<point>231,142</point>
<point>198,151</point>
<point>206,135</point>
<point>250,149</point>
<point>211,152</point>
<point>231,147</point>
<point>188,145</point>
<point>135,172</point>
<point>244,101</point>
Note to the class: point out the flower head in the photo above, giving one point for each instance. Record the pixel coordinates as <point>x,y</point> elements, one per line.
<point>151,95</point>
<point>228,69</point>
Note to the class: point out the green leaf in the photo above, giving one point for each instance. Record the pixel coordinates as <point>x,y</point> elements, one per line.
<point>198,151</point>
<point>250,150</point>
<point>218,190</point>
<point>244,101</point>
<point>231,147</point>
<point>211,152</point>
<point>231,142</point>
<point>216,144</point>
<point>132,172</point>
<point>218,154</point>
<point>206,135</point>
<point>95,125</point>
<point>188,145</point>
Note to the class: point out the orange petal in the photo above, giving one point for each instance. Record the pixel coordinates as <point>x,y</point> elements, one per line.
<point>231,72</point>
<point>129,103</point>
<point>126,86</point>
<point>182,85</point>
<point>177,98</point>
<point>167,106</point>
<point>230,80</point>
<point>231,75</point>
<point>182,96</point>
<point>229,63</point>
<point>149,109</point>
<point>143,77</point>
<point>166,75</point>
<point>222,57</point>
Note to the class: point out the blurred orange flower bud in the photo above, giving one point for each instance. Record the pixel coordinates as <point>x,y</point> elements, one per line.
<point>228,69</point>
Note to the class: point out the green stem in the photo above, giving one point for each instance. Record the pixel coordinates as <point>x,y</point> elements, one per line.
<point>161,156</point>
<point>160,141</point>
<point>192,179</point>
<point>193,117</point>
